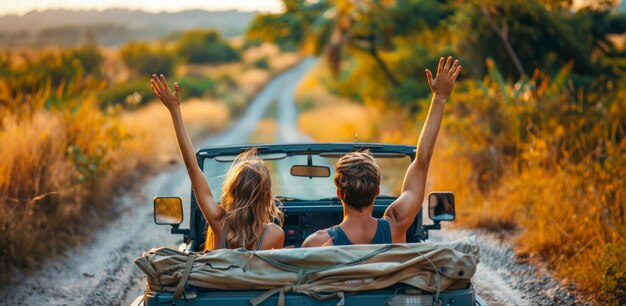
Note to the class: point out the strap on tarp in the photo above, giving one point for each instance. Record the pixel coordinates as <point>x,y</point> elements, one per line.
<point>180,288</point>
<point>267,294</point>
<point>281,296</point>
<point>337,295</point>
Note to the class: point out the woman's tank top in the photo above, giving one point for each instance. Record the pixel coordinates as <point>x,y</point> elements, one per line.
<point>223,244</point>
<point>383,234</point>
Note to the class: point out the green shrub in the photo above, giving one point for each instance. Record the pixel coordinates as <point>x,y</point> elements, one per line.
<point>262,63</point>
<point>135,93</point>
<point>130,93</point>
<point>196,87</point>
<point>205,46</point>
<point>142,59</point>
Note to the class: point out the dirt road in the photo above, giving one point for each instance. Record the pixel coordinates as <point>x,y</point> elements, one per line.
<point>102,272</point>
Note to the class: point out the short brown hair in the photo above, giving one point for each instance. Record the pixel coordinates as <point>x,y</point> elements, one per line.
<point>357,178</point>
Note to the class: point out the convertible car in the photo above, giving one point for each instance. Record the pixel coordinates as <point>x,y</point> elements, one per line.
<point>412,273</point>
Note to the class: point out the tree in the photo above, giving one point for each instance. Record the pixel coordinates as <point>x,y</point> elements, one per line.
<point>331,28</point>
<point>534,34</point>
<point>286,29</point>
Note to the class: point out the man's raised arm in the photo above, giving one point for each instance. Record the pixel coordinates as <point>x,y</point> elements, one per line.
<point>402,212</point>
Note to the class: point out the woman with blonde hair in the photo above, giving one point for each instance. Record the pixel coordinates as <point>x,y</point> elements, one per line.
<point>244,219</point>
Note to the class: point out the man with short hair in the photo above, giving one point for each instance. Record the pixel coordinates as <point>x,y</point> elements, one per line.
<point>357,179</point>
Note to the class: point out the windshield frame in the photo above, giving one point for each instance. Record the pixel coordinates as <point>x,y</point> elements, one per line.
<point>215,161</point>
<point>303,148</point>
<point>197,225</point>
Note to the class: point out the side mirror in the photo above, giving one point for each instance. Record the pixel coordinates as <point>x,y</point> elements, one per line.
<point>310,171</point>
<point>168,210</point>
<point>441,206</point>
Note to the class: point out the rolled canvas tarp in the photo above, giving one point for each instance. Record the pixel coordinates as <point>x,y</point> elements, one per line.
<point>316,272</point>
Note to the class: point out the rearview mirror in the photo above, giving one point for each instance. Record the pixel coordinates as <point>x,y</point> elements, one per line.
<point>441,206</point>
<point>310,171</point>
<point>168,210</point>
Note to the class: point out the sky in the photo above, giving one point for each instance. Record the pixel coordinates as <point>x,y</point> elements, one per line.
<point>21,7</point>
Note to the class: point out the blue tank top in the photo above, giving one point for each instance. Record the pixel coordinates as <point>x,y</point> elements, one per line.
<point>383,234</point>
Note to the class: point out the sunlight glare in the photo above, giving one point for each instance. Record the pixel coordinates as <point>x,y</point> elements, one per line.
<point>23,7</point>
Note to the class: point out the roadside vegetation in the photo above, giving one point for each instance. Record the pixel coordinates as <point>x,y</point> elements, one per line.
<point>533,142</point>
<point>80,124</point>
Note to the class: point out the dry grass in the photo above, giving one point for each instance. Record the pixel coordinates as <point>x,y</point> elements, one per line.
<point>59,166</point>
<point>341,122</point>
<point>451,171</point>
<point>278,61</point>
<point>566,217</point>
<point>22,223</point>
<point>150,127</point>
<point>619,40</point>
<point>51,173</point>
<point>283,61</point>
<point>558,185</point>
<point>563,213</point>
<point>252,81</point>
<point>265,50</point>
<point>248,80</point>
<point>239,82</point>
<point>328,117</point>
<point>113,67</point>
<point>214,71</point>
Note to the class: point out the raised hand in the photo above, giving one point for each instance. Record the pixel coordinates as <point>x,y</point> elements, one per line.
<point>442,84</point>
<point>212,212</point>
<point>170,99</point>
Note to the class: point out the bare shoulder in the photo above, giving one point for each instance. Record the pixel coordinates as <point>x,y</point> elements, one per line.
<point>275,230</point>
<point>317,239</point>
<point>274,237</point>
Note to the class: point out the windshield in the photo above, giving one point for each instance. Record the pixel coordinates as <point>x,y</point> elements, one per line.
<point>287,186</point>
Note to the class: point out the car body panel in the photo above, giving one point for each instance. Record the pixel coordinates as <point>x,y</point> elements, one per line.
<point>392,296</point>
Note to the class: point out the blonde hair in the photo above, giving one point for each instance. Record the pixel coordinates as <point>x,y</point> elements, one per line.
<point>357,177</point>
<point>248,202</point>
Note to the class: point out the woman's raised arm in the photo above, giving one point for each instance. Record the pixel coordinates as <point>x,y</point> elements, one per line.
<point>212,212</point>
